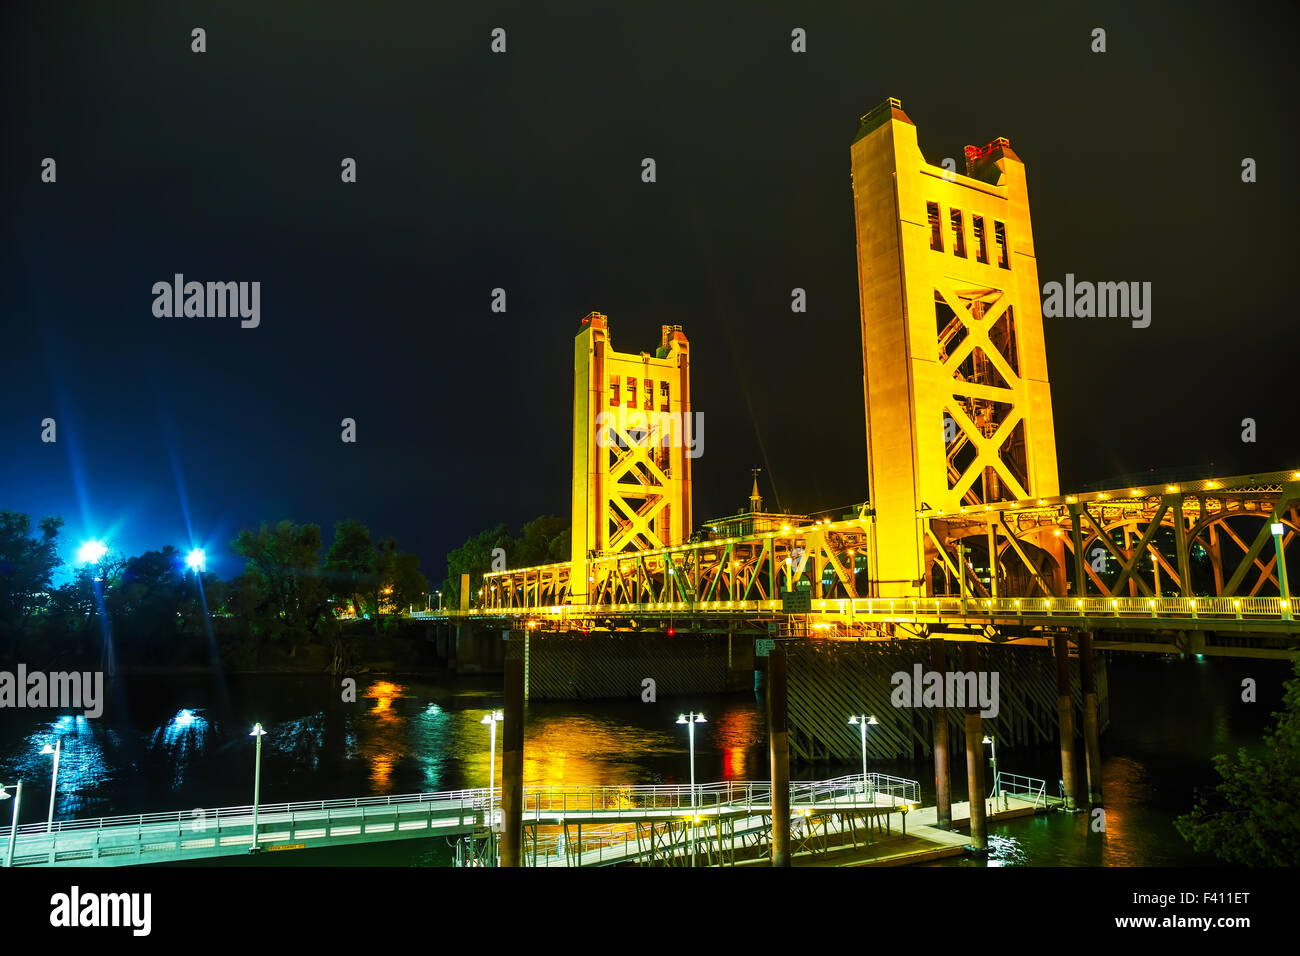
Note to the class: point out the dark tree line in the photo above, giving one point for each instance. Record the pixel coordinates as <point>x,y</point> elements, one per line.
<point>152,608</point>
<point>1252,817</point>
<point>543,540</point>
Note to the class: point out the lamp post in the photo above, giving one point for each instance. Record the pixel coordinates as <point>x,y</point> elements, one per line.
<point>258,733</point>
<point>988,739</point>
<point>54,781</point>
<point>13,827</point>
<point>690,720</point>
<point>863,721</point>
<point>491,720</point>
<point>1285,589</point>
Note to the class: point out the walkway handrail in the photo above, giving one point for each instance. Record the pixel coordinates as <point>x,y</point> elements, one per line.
<point>538,801</point>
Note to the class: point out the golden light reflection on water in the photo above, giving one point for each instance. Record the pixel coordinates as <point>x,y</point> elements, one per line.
<point>383,735</point>
<point>569,750</point>
<point>1124,782</point>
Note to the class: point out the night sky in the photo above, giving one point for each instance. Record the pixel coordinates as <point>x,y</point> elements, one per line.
<point>522,171</point>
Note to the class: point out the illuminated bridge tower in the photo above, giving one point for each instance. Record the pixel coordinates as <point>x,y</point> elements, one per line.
<point>957,402</point>
<point>631,470</point>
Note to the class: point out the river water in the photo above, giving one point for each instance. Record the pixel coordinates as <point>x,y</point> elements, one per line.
<point>182,742</point>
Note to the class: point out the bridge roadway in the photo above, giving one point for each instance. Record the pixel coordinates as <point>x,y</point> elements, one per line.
<point>1263,627</point>
<point>228,831</point>
<point>1252,614</point>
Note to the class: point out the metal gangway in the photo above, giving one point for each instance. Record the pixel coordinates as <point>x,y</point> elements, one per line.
<point>226,831</point>
<point>1007,785</point>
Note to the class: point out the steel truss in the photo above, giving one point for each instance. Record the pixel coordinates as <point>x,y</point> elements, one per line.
<point>826,557</point>
<point>1150,541</point>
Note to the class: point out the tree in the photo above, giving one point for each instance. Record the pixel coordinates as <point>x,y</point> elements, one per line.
<point>351,564</point>
<point>544,540</point>
<point>26,567</point>
<point>474,558</point>
<point>286,597</point>
<point>378,597</point>
<point>408,586</point>
<point>1251,817</point>
<point>146,603</point>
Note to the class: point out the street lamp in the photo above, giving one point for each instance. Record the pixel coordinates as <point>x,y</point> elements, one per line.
<point>13,827</point>
<point>491,720</point>
<point>988,739</point>
<point>54,782</point>
<point>258,733</point>
<point>91,551</point>
<point>1285,590</point>
<point>197,560</point>
<point>690,720</point>
<point>863,722</point>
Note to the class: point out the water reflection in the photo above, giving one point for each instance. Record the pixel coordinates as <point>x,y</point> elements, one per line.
<point>182,741</point>
<point>178,746</point>
<point>382,740</point>
<point>1004,851</point>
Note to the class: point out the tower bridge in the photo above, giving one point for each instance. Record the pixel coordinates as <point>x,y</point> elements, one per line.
<point>966,533</point>
<point>966,558</point>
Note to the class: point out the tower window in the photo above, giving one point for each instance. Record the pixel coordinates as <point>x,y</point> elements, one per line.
<point>958,233</point>
<point>981,240</point>
<point>936,228</point>
<point>1000,233</point>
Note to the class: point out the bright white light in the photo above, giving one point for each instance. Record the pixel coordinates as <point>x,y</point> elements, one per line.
<point>91,551</point>
<point>197,560</point>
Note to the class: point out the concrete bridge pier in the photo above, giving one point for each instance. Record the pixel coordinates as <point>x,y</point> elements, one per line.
<point>779,741</point>
<point>942,775</point>
<point>479,650</point>
<point>512,756</point>
<point>1091,730</point>
<point>979,830</point>
<point>1065,720</point>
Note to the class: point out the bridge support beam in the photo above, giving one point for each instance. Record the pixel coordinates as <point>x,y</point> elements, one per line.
<point>942,775</point>
<point>979,830</point>
<point>512,757</point>
<point>779,742</point>
<point>1065,721</point>
<point>1091,730</point>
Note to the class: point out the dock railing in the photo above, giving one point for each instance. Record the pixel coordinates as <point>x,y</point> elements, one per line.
<point>1015,785</point>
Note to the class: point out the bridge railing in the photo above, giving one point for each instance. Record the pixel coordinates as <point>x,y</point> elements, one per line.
<point>538,802</point>
<point>902,609</point>
<point>615,842</point>
<point>551,801</point>
<point>469,799</point>
<point>1161,607</point>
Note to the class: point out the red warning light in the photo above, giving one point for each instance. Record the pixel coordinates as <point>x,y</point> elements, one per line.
<point>671,632</point>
